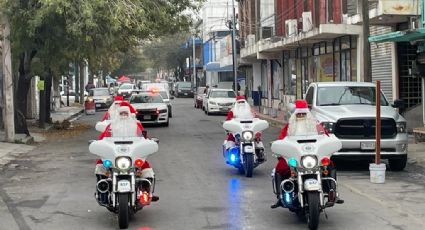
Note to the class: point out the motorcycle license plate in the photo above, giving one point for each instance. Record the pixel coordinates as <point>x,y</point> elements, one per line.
<point>124,186</point>
<point>248,149</point>
<point>147,117</point>
<point>367,145</point>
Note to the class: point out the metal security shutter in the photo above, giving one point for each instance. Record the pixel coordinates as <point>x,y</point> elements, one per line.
<point>381,54</point>
<point>351,7</point>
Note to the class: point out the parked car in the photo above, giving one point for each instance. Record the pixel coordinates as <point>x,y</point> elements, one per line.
<point>199,97</point>
<point>184,89</point>
<point>151,108</point>
<point>72,95</point>
<point>219,101</point>
<point>101,97</point>
<point>126,89</point>
<point>347,109</point>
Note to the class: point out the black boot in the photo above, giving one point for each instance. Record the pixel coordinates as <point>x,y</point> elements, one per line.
<point>277,204</point>
<point>277,180</point>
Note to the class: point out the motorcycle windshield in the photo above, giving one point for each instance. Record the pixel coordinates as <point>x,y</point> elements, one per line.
<point>298,146</point>
<point>238,125</point>
<point>112,147</point>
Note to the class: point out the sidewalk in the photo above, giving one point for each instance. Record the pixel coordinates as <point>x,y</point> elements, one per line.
<point>8,151</point>
<point>66,113</point>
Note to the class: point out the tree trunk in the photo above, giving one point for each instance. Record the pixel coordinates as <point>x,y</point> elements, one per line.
<point>82,77</point>
<point>22,88</point>
<point>42,113</point>
<point>77,82</point>
<point>48,92</point>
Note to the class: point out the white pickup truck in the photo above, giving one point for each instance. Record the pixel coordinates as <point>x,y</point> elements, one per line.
<point>347,109</point>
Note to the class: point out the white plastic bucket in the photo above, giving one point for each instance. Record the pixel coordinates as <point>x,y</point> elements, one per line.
<point>377,173</point>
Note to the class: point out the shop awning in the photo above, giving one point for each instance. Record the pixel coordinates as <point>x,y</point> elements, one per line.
<point>399,36</point>
<point>215,67</point>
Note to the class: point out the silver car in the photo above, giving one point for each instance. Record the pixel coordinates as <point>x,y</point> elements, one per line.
<point>151,108</point>
<point>348,110</point>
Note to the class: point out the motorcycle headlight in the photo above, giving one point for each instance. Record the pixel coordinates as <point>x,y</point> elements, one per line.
<point>123,163</point>
<point>401,127</point>
<point>329,126</point>
<point>309,162</point>
<point>247,135</point>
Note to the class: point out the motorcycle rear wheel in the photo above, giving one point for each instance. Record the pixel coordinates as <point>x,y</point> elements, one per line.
<point>123,210</point>
<point>313,210</point>
<point>248,164</point>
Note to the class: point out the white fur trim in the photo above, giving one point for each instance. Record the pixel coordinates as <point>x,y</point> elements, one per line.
<point>305,110</point>
<point>148,173</point>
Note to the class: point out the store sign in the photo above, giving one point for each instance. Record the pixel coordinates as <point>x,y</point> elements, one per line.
<point>399,7</point>
<point>40,85</point>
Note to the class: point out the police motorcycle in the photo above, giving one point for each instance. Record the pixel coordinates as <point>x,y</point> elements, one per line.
<point>122,187</point>
<point>310,189</point>
<point>248,151</point>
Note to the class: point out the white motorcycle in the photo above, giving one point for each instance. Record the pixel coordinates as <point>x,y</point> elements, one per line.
<point>307,191</point>
<point>123,188</point>
<point>248,151</point>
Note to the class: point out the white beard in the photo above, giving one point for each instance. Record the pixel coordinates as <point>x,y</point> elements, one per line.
<point>306,126</point>
<point>124,128</point>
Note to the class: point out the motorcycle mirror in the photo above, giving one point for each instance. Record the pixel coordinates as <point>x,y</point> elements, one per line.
<point>91,141</point>
<point>155,139</point>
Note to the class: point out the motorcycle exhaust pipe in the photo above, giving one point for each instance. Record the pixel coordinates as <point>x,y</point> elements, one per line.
<point>287,186</point>
<point>102,186</point>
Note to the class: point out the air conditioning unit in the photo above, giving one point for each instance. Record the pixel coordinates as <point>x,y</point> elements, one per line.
<point>307,21</point>
<point>291,27</point>
<point>266,32</point>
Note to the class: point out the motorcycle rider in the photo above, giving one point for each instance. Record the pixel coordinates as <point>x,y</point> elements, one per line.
<point>118,102</point>
<point>243,110</point>
<point>301,122</point>
<point>125,125</point>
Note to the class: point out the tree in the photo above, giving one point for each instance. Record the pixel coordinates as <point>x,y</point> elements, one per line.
<point>168,52</point>
<point>59,31</point>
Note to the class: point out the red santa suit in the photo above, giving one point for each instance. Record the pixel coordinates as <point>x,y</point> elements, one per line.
<point>301,106</point>
<point>124,127</point>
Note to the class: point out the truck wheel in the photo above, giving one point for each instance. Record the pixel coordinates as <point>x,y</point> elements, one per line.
<point>398,164</point>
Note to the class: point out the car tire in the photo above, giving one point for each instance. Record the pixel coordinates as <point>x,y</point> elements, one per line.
<point>208,112</point>
<point>397,164</point>
<point>168,123</point>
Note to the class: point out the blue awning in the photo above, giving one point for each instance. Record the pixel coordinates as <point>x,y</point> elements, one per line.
<point>215,67</point>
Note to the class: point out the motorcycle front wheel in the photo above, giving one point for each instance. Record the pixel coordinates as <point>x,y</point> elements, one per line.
<point>248,164</point>
<point>123,211</point>
<point>313,210</point>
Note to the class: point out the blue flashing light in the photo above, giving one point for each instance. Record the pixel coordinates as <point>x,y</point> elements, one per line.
<point>232,157</point>
<point>288,198</point>
<point>107,163</point>
<point>292,162</point>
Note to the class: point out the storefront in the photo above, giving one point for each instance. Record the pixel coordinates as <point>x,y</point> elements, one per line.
<point>334,60</point>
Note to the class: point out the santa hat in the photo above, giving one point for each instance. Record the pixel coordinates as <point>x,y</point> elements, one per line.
<point>301,106</point>
<point>118,98</point>
<point>240,98</point>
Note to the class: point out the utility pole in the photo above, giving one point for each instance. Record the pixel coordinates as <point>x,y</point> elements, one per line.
<point>8,109</point>
<point>193,59</point>
<point>367,64</point>
<point>235,68</point>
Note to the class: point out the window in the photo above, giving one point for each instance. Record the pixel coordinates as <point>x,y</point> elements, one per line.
<point>309,96</point>
<point>146,98</point>
<point>222,94</point>
<point>347,95</point>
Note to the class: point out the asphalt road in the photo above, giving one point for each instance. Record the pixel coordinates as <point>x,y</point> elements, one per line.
<point>52,187</point>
